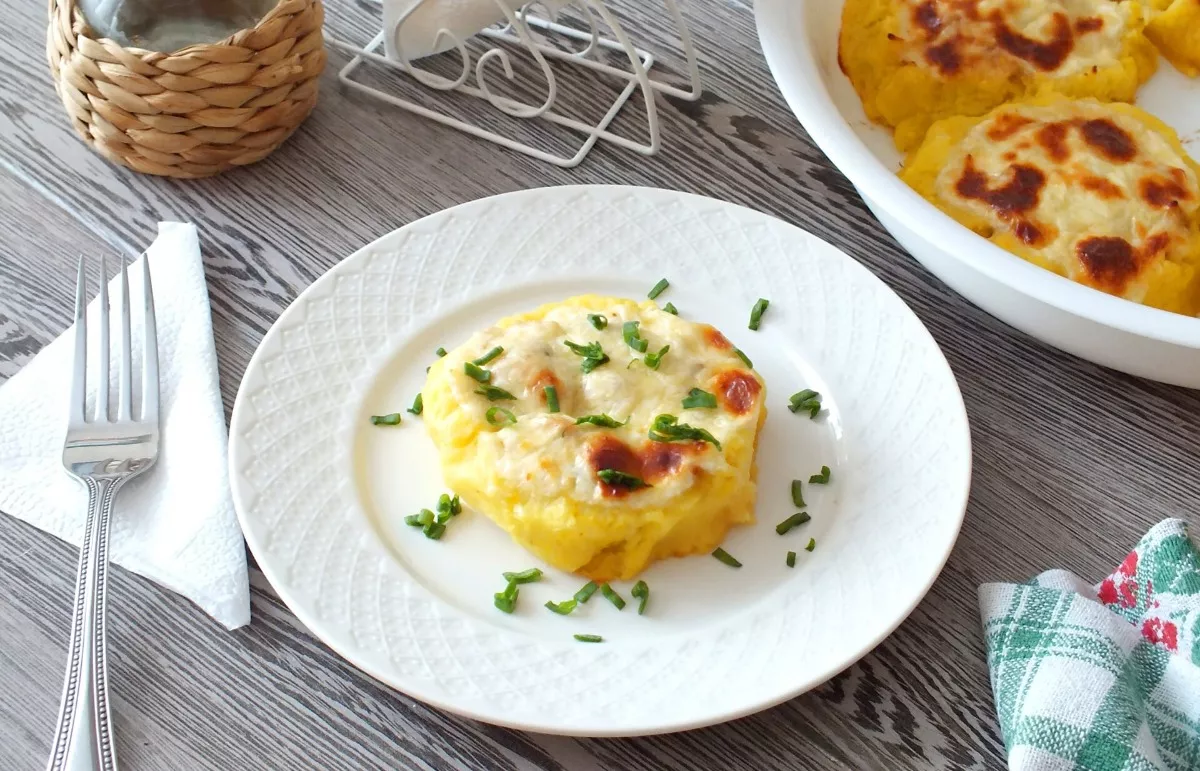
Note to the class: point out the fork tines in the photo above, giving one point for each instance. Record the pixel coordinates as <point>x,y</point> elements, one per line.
<point>79,389</point>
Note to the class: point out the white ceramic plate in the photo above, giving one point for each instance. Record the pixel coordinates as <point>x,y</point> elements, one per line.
<point>321,492</point>
<point>800,41</point>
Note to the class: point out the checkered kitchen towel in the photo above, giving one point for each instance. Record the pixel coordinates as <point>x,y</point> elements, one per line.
<point>1101,678</point>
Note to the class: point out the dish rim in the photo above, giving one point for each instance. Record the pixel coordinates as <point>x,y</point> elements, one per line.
<point>804,89</point>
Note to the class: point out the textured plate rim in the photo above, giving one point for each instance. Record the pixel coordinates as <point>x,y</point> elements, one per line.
<point>798,76</point>
<point>315,626</point>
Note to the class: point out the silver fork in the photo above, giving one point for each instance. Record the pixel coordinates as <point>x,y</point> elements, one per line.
<point>104,453</point>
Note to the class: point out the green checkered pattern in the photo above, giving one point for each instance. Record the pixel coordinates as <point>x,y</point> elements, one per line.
<point>1103,678</point>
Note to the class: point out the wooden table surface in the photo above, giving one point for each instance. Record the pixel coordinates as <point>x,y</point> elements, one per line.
<point>1072,462</point>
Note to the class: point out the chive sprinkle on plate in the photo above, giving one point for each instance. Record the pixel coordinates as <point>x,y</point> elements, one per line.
<point>820,479</point>
<point>745,359</point>
<point>699,399</point>
<point>795,520</point>
<point>551,399</point>
<point>435,531</point>
<point>812,544</point>
<point>598,320</point>
<point>614,478</point>
<point>498,416</point>
<point>418,405</point>
<point>671,309</point>
<point>524,577</point>
<point>563,608</point>
<point>484,359</point>
<point>756,313</point>
<point>726,557</point>
<point>586,592</point>
<point>386,420</point>
<point>494,394</point>
<point>667,428</point>
<point>807,399</point>
<point>658,289</point>
<point>440,352</point>
<point>611,595</point>
<point>641,592</point>
<point>798,494</point>
<point>589,638</point>
<point>791,559</point>
<point>506,601</point>
<point>601,421</point>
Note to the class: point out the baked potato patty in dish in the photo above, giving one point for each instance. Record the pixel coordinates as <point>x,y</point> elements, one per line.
<point>914,62</point>
<point>1103,194</point>
<point>566,426</point>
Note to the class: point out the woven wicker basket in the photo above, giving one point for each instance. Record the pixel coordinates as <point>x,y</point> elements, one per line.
<point>195,112</point>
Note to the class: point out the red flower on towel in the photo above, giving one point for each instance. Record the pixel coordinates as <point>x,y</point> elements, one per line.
<point>1121,587</point>
<point>1162,632</point>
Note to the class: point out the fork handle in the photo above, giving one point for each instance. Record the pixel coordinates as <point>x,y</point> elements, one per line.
<point>83,740</point>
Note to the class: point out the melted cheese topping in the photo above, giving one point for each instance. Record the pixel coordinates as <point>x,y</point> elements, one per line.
<point>1093,192</point>
<point>556,457</point>
<point>1057,38</point>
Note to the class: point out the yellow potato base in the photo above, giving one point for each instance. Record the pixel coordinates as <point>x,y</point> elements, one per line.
<point>1176,32</point>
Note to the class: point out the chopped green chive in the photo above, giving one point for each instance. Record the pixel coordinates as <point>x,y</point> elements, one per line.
<point>615,478</point>
<point>593,355</point>
<point>498,416</point>
<point>484,359</point>
<point>820,479</point>
<point>435,530</point>
<point>598,321</point>
<point>506,600</point>
<point>585,594</point>
<point>418,405</point>
<point>745,359</point>
<point>476,372</point>
<point>756,313</point>
<point>798,494</point>
<point>524,577</point>
<point>671,309</point>
<point>658,289</point>
<point>641,592</point>
<point>667,428</point>
<point>633,336</point>
<point>425,517</point>
<point>726,557</point>
<point>654,359</point>
<point>791,559</point>
<point>807,399</point>
<point>386,420</point>
<point>563,608</point>
<point>551,398</point>
<point>602,421</point>
<point>698,399</point>
<point>455,506</point>
<point>611,595</point>
<point>445,504</point>
<point>796,519</point>
<point>413,520</point>
<point>494,394</point>
<point>440,352</point>
<point>589,638</point>
<point>812,544</point>
<point>444,517</point>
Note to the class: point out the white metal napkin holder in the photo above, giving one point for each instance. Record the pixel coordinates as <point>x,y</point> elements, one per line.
<point>517,32</point>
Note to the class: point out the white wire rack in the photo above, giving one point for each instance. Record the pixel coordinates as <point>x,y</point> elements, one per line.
<point>518,31</point>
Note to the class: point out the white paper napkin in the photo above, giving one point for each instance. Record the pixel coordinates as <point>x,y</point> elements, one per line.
<point>176,524</point>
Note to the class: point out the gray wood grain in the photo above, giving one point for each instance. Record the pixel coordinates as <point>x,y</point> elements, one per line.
<point>1072,462</point>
